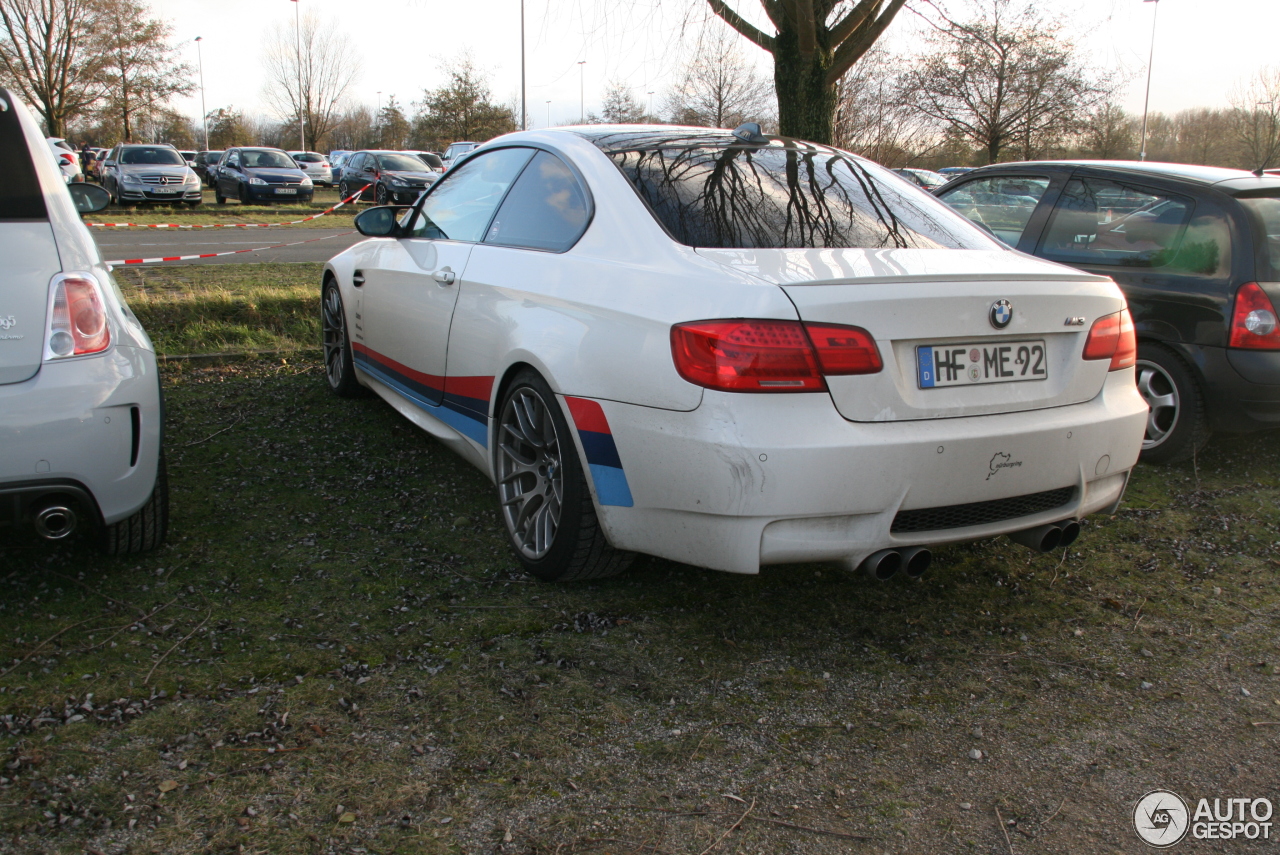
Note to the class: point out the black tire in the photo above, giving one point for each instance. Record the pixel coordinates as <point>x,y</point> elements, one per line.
<point>342,192</point>
<point>147,527</point>
<point>217,195</point>
<point>1177,425</point>
<point>339,368</point>
<point>380,195</point>
<point>543,496</point>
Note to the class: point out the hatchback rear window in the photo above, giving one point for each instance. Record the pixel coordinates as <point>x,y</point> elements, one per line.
<point>1265,211</point>
<point>20,194</point>
<point>788,197</point>
<point>308,158</point>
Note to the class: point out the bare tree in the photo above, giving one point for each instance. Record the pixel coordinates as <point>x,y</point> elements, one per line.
<point>718,88</point>
<point>872,119</point>
<point>1008,78</point>
<point>309,70</point>
<point>814,44</point>
<point>140,70</point>
<point>1256,110</point>
<point>1108,133</point>
<point>48,52</point>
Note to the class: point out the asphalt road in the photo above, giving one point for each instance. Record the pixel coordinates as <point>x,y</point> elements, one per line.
<point>119,244</point>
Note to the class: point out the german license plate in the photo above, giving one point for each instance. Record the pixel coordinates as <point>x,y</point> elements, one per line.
<point>973,364</point>
<point>286,191</point>
<point>167,190</point>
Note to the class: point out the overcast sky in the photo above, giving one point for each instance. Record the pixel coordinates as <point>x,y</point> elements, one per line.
<point>1203,47</point>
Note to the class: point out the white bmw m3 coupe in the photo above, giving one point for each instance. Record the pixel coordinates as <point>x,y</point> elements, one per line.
<point>734,350</point>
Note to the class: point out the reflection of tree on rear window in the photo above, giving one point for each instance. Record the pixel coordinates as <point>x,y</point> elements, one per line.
<point>156,156</point>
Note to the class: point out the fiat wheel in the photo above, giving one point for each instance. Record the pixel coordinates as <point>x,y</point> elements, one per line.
<point>542,492</point>
<point>1176,423</point>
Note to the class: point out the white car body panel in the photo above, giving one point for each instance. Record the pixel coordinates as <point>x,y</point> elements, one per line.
<point>66,420</point>
<point>733,481</point>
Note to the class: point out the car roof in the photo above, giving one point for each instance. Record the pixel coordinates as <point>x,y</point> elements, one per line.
<point>1230,180</point>
<point>147,145</point>
<point>616,138</point>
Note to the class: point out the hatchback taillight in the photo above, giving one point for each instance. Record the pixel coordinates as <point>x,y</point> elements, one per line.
<point>77,318</point>
<point>1253,322</point>
<point>1112,337</point>
<point>745,355</point>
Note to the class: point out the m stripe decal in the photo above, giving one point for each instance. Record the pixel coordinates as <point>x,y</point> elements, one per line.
<point>601,451</point>
<point>465,414</point>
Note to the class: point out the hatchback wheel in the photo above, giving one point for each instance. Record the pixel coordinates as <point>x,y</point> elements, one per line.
<point>542,491</point>
<point>380,195</point>
<point>339,368</point>
<point>1176,423</point>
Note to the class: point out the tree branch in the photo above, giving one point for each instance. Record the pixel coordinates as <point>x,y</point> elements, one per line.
<point>853,49</point>
<point>748,30</point>
<point>847,25</point>
<point>806,26</point>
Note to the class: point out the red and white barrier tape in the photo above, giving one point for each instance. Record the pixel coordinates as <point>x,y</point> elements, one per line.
<point>354,195</point>
<point>217,254</point>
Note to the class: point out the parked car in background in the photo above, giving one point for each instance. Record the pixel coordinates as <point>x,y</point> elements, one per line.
<point>134,173</point>
<point>952,171</point>
<point>188,156</point>
<point>1196,250</point>
<point>66,157</point>
<point>315,165</point>
<point>80,412</point>
<point>203,162</point>
<point>457,150</point>
<point>95,166</point>
<point>397,177</point>
<point>431,159</point>
<point>260,175</point>
<point>335,160</point>
<point>925,178</point>
<point>733,350</point>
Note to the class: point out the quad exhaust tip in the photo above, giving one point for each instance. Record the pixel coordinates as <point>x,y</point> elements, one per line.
<point>886,563</point>
<point>55,522</point>
<point>1046,538</point>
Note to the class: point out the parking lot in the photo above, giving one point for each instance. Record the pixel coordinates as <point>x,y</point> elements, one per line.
<point>337,653</point>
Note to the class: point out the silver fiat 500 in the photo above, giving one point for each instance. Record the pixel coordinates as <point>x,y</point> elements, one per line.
<point>80,410</point>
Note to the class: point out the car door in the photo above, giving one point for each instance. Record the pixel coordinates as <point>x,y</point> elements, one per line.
<point>1169,251</point>
<point>409,285</point>
<point>1012,206</point>
<point>228,179</point>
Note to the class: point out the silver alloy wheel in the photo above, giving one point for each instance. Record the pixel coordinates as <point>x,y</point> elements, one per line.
<point>1161,394</point>
<point>530,478</point>
<point>335,335</point>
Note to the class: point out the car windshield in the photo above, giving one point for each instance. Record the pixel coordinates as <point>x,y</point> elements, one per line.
<point>1265,210</point>
<point>793,195</point>
<point>267,160</point>
<point>308,157</point>
<point>155,156</point>
<point>430,159</point>
<point>399,163</point>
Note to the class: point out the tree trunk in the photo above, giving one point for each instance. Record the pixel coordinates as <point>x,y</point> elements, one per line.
<point>808,110</point>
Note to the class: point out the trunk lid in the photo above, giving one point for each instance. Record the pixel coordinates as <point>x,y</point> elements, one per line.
<point>31,260</point>
<point>940,302</point>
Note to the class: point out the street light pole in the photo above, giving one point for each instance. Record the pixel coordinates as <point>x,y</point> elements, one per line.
<point>377,119</point>
<point>204,112</point>
<point>524,109</point>
<point>302,112</point>
<point>548,114</point>
<point>1150,57</point>
<point>650,110</point>
<point>582,92</point>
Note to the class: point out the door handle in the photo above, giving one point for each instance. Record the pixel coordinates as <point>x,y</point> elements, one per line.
<point>444,277</point>
<point>357,278</point>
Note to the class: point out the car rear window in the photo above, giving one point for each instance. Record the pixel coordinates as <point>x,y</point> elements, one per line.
<point>789,196</point>
<point>1265,211</point>
<point>20,194</point>
<point>308,158</point>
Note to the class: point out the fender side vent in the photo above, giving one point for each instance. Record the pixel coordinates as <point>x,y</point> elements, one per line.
<point>135,419</point>
<point>981,513</point>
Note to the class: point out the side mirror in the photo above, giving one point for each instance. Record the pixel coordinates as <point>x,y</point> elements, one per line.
<point>88,198</point>
<point>379,222</point>
<point>370,170</point>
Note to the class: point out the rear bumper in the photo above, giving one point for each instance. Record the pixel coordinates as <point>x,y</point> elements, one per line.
<point>1241,387</point>
<point>748,480</point>
<point>73,426</point>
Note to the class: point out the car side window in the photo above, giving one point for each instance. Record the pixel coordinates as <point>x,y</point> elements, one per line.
<point>460,206</point>
<point>546,208</point>
<point>1002,203</point>
<point>1097,221</point>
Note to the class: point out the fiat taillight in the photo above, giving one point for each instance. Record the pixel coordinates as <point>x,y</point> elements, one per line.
<point>1112,337</point>
<point>1253,322</point>
<point>77,318</point>
<point>748,355</point>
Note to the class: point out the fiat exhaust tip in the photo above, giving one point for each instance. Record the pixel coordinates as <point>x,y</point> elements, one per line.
<point>55,521</point>
<point>915,561</point>
<point>1042,538</point>
<point>882,565</point>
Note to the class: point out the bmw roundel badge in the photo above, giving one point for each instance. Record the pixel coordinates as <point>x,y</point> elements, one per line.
<point>1001,314</point>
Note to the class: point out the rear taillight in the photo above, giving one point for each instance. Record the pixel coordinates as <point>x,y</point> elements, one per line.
<point>77,318</point>
<point>744,355</point>
<point>1112,337</point>
<point>1253,323</point>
